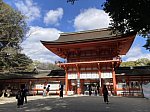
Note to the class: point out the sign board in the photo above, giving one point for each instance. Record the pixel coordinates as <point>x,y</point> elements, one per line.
<point>84,75</point>
<point>106,75</point>
<point>72,76</point>
<point>53,86</point>
<point>89,75</point>
<point>39,86</point>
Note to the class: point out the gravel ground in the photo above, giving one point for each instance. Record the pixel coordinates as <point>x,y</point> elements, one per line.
<point>76,104</point>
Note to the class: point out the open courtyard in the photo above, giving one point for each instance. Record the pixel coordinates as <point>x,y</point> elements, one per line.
<point>76,104</point>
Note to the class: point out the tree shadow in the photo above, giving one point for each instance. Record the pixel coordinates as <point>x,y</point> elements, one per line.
<point>40,105</point>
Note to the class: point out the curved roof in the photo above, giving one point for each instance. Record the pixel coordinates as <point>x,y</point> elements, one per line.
<point>99,38</point>
<point>86,36</point>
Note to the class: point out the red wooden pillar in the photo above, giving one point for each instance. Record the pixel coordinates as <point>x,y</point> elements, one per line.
<point>100,81</point>
<point>114,80</point>
<point>66,81</point>
<point>78,80</point>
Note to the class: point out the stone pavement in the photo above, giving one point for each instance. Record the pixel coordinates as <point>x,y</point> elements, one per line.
<point>76,104</point>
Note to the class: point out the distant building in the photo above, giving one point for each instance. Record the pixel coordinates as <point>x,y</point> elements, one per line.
<point>128,81</point>
<point>33,82</point>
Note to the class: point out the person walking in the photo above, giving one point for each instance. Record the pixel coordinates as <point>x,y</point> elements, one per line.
<point>44,91</point>
<point>24,93</point>
<point>90,90</point>
<point>97,87</point>
<point>61,90</point>
<point>47,90</point>
<point>105,94</point>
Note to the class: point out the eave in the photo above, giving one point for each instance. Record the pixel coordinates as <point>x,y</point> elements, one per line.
<point>123,43</point>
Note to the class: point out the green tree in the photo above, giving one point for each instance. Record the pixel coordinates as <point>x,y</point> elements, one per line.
<point>139,62</point>
<point>130,16</point>
<point>45,66</point>
<point>12,32</point>
<point>128,64</point>
<point>21,62</point>
<point>142,62</point>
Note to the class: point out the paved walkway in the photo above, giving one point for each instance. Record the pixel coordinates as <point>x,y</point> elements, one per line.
<point>76,104</point>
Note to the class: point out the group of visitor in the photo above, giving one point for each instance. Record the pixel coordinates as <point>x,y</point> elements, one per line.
<point>93,90</point>
<point>6,92</point>
<point>21,96</point>
<point>46,91</point>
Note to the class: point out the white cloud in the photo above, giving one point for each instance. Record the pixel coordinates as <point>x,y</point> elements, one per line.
<point>29,9</point>
<point>91,18</point>
<point>53,16</point>
<point>136,53</point>
<point>33,48</point>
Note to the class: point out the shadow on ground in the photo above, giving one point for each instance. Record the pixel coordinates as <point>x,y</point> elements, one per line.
<point>39,105</point>
<point>80,104</point>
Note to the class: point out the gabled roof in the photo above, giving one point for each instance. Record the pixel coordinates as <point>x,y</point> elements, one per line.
<point>99,38</point>
<point>87,36</point>
<point>32,75</point>
<point>22,75</point>
<point>57,73</point>
<point>133,71</point>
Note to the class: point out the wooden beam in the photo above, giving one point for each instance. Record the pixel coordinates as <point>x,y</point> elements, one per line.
<point>66,80</point>
<point>114,79</point>
<point>78,80</point>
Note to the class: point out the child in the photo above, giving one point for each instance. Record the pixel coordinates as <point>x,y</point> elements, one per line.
<point>44,91</point>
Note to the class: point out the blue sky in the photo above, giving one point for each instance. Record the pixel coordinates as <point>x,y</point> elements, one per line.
<point>48,18</point>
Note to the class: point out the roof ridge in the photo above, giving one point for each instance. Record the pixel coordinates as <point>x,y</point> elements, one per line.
<point>85,31</point>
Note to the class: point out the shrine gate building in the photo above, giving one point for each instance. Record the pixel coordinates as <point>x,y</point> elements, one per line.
<point>92,57</point>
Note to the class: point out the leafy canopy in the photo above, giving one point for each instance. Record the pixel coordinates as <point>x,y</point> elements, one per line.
<point>139,62</point>
<point>130,15</point>
<point>12,32</point>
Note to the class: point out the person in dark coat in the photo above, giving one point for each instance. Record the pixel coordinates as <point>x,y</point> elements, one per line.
<point>90,90</point>
<point>61,90</point>
<point>24,93</point>
<point>105,94</point>
<point>20,98</point>
<point>47,90</point>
